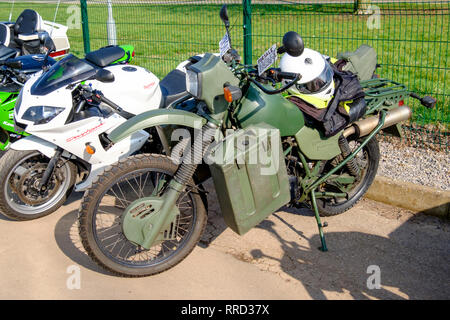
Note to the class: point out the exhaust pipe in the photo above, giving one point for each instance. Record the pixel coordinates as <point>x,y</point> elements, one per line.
<point>366,126</point>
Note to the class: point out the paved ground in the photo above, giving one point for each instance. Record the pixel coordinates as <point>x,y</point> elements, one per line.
<point>277,260</point>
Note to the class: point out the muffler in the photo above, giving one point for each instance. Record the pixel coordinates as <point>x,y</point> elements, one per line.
<point>366,126</point>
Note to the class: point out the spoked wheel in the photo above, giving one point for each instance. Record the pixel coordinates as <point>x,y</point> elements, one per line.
<point>106,201</point>
<point>22,197</point>
<point>367,160</point>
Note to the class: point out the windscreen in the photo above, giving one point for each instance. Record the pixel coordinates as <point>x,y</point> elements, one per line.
<point>66,71</point>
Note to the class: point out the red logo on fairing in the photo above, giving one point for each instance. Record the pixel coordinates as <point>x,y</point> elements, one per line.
<point>88,131</point>
<point>149,85</point>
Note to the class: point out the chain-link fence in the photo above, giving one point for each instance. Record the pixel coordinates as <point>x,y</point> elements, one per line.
<point>411,37</point>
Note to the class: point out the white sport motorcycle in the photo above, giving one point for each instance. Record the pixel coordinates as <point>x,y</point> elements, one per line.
<point>68,114</point>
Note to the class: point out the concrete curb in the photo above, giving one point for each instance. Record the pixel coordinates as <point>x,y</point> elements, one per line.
<point>410,196</point>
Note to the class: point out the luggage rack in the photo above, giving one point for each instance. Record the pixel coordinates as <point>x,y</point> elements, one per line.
<point>383,93</point>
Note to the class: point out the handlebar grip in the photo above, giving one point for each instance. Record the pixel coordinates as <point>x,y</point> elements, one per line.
<point>285,87</point>
<point>287,75</point>
<point>110,103</point>
<point>14,64</point>
<point>281,50</point>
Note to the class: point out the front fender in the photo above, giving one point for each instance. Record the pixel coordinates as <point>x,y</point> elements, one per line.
<point>34,143</point>
<point>155,118</point>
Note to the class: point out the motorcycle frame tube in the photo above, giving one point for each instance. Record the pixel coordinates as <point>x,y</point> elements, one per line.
<point>351,156</point>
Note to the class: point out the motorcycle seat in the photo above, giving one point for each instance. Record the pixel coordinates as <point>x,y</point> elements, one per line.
<point>105,56</point>
<point>28,36</point>
<point>5,34</point>
<point>173,87</point>
<point>24,33</point>
<point>28,22</point>
<point>6,53</point>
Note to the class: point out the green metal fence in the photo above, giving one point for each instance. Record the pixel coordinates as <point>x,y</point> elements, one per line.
<point>411,37</point>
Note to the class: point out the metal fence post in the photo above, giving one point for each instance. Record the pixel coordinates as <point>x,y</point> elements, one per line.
<point>247,31</point>
<point>111,26</point>
<point>355,6</point>
<point>85,26</point>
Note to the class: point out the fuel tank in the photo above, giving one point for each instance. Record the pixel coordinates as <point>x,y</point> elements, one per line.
<point>274,110</point>
<point>33,62</point>
<point>134,89</point>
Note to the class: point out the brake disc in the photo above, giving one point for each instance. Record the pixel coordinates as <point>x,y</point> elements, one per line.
<point>15,177</point>
<point>28,190</point>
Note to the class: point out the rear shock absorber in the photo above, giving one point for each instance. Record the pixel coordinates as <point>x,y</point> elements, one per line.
<point>352,165</point>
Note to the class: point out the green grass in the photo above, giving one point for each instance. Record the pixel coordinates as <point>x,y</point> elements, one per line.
<point>412,42</point>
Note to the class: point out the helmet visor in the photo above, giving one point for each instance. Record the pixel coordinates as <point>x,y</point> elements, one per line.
<point>319,83</point>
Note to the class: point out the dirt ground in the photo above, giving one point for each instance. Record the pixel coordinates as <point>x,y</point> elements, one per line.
<point>279,259</point>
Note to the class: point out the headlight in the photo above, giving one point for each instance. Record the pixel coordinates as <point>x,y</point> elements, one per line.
<point>192,84</point>
<point>41,114</point>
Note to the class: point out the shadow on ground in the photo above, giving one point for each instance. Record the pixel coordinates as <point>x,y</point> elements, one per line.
<point>414,262</point>
<point>68,239</point>
<point>413,259</point>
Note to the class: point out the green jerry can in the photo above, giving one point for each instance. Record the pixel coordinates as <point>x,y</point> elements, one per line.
<point>249,175</point>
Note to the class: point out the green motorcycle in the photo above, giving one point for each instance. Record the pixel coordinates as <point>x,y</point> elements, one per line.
<point>146,213</point>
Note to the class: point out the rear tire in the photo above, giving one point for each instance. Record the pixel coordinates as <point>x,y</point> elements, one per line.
<point>371,152</point>
<point>20,169</point>
<point>146,170</point>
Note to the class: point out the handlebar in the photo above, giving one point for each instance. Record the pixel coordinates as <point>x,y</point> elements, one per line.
<point>98,96</point>
<point>11,74</point>
<point>285,87</point>
<point>12,64</point>
<point>277,75</point>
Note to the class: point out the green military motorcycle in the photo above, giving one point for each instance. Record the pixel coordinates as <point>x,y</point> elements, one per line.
<point>146,213</point>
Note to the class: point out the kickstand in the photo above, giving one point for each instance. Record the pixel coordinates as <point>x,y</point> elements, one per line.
<point>319,223</point>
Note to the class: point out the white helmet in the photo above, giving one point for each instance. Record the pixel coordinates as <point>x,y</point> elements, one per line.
<point>317,75</point>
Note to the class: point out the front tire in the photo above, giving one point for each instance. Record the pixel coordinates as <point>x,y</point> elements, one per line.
<point>21,171</point>
<point>105,202</point>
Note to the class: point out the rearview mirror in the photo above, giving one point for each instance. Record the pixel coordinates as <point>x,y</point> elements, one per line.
<point>49,44</point>
<point>104,75</point>
<point>293,44</point>
<point>224,15</point>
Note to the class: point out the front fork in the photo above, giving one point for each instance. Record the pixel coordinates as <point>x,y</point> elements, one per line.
<point>50,168</point>
<point>146,218</point>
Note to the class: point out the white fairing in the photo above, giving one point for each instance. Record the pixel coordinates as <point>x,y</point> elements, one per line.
<point>58,33</point>
<point>135,89</point>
